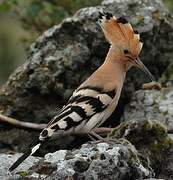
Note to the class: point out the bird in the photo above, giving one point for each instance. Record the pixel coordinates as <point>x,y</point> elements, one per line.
<point>97,97</point>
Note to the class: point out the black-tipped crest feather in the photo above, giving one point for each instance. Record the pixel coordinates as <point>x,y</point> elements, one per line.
<point>108,15</point>
<point>100,15</point>
<point>122,20</point>
<point>136,32</point>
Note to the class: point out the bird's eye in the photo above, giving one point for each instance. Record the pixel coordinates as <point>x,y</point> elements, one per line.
<point>126,51</point>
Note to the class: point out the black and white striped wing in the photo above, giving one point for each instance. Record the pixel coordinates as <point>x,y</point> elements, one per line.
<point>84,104</point>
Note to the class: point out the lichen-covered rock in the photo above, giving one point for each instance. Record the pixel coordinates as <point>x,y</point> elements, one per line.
<point>6,160</point>
<point>92,162</point>
<point>151,104</point>
<point>167,76</point>
<point>151,141</point>
<point>150,137</point>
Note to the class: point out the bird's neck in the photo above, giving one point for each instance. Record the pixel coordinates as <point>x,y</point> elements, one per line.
<point>113,67</point>
<point>114,72</point>
<point>110,75</point>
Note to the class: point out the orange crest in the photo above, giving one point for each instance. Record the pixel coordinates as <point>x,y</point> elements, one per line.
<point>120,33</point>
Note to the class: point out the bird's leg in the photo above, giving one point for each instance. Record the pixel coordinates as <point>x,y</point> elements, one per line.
<point>99,131</point>
<point>91,137</point>
<point>100,139</point>
<point>96,135</point>
<point>102,130</point>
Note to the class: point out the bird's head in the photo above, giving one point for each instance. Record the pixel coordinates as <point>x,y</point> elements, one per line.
<point>124,40</point>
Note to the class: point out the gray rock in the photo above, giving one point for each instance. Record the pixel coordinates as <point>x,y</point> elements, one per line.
<point>153,179</point>
<point>167,76</point>
<point>152,142</point>
<point>151,104</point>
<point>91,161</point>
<point>7,160</point>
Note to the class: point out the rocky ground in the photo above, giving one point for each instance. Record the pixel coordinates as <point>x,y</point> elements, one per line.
<point>140,147</point>
<point>154,104</point>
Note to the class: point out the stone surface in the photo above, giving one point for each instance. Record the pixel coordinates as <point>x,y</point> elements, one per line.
<point>91,161</point>
<point>151,141</point>
<point>6,160</point>
<point>151,104</point>
<point>158,106</point>
<point>137,150</point>
<point>167,76</point>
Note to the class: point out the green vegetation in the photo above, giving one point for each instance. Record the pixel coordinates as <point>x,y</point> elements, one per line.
<point>169,4</point>
<point>23,173</point>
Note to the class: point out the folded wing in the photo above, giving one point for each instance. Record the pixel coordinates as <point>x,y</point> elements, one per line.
<point>84,104</point>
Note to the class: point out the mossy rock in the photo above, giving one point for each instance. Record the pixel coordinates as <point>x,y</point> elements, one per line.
<point>167,77</point>
<point>149,137</point>
<point>23,173</point>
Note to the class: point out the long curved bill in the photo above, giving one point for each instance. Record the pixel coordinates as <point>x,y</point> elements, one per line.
<point>140,65</point>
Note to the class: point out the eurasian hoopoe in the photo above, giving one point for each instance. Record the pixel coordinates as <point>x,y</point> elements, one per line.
<point>96,98</point>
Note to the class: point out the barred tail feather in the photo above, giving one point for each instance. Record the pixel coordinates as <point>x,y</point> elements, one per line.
<point>27,153</point>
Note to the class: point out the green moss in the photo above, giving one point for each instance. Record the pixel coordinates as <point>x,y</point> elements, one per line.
<point>136,157</point>
<point>140,18</point>
<point>147,126</point>
<point>119,131</point>
<point>159,129</point>
<point>157,147</point>
<point>23,173</point>
<point>156,14</point>
<point>131,129</point>
<point>148,136</point>
<point>167,75</point>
